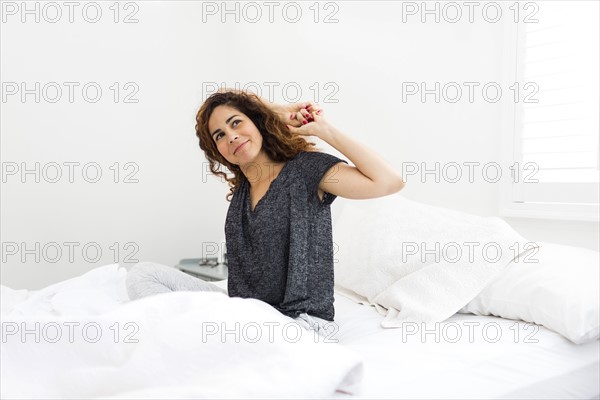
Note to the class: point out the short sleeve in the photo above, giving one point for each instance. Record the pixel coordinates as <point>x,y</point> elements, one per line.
<point>314,167</point>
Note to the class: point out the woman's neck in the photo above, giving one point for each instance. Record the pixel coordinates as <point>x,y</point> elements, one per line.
<point>262,170</point>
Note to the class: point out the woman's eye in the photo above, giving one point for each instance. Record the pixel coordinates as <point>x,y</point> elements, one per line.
<point>234,124</point>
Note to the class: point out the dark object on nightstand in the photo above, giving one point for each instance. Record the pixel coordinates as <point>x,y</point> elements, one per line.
<point>206,269</point>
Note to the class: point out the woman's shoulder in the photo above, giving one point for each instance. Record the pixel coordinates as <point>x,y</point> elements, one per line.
<point>316,156</point>
<point>239,189</point>
<point>312,165</point>
<point>310,155</point>
<point>304,158</point>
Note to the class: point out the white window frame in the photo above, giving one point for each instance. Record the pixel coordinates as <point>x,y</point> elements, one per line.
<point>510,194</point>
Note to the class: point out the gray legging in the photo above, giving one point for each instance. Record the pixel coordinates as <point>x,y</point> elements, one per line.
<point>148,278</point>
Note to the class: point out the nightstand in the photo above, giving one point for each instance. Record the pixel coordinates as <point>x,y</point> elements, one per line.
<point>208,273</point>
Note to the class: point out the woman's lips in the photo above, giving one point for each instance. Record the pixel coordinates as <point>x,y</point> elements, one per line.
<point>240,146</point>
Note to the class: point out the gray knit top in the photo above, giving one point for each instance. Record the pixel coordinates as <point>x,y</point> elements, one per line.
<point>282,252</point>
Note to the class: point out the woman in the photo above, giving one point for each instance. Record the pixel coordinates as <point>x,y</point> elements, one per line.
<point>278,225</point>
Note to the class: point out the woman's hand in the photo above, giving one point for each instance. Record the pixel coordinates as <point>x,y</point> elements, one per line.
<point>296,114</point>
<point>313,122</point>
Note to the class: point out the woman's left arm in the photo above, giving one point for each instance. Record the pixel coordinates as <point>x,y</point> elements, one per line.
<point>371,177</point>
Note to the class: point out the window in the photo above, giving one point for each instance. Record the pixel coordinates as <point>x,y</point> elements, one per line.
<point>554,121</point>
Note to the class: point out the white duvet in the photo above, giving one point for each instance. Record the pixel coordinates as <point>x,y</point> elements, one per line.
<point>82,338</point>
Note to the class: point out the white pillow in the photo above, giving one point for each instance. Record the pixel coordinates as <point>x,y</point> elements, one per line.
<point>398,255</point>
<point>560,292</point>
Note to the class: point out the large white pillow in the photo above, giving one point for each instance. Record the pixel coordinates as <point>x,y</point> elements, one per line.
<point>383,257</point>
<point>560,292</point>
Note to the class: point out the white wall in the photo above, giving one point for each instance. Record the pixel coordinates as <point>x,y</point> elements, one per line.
<point>170,54</point>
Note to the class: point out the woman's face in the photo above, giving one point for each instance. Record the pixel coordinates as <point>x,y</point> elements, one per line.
<point>230,129</point>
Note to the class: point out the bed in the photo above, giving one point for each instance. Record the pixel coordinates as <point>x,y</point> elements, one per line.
<point>406,367</point>
<point>509,360</point>
<point>404,328</point>
<point>523,324</point>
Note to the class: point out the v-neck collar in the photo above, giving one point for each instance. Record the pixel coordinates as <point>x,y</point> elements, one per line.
<point>248,196</point>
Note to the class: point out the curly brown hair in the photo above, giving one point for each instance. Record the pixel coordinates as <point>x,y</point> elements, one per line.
<point>277,141</point>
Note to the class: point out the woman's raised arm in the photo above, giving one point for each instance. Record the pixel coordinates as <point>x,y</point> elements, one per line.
<point>371,177</point>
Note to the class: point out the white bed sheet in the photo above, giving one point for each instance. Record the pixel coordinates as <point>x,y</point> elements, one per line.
<point>510,360</point>
<point>409,367</point>
<point>397,366</point>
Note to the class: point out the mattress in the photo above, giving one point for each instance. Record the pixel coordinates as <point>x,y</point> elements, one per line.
<point>465,357</point>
